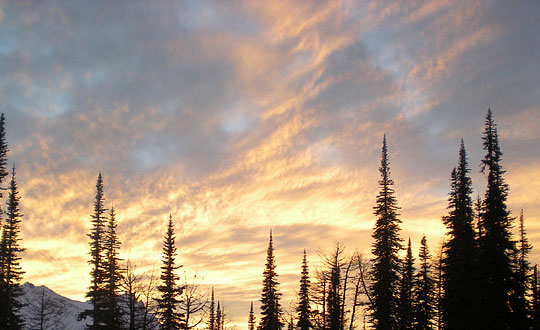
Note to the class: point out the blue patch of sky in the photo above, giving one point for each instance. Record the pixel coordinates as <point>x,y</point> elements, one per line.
<point>237,121</point>
<point>204,15</point>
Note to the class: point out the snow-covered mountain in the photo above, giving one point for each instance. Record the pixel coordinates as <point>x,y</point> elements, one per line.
<point>55,311</point>
<point>45,309</point>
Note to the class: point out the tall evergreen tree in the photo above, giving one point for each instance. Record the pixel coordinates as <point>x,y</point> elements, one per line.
<point>405,307</point>
<point>304,307</point>
<point>333,297</point>
<point>386,262</point>
<point>520,295</point>
<point>459,263</point>
<point>3,151</point>
<point>270,305</point>
<point>97,290</point>
<point>424,305</point>
<point>10,248</point>
<point>251,319</point>
<point>169,291</point>
<point>219,316</point>
<point>535,308</point>
<point>113,276</point>
<point>3,174</point>
<point>212,316</point>
<point>495,244</point>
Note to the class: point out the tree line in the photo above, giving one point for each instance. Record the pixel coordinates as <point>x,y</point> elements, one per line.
<point>479,277</point>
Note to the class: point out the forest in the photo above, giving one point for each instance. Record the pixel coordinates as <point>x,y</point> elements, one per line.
<point>478,278</point>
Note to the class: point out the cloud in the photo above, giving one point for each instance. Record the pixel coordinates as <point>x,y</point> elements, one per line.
<point>240,117</point>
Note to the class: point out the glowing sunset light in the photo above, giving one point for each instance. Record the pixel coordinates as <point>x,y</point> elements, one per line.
<point>241,117</point>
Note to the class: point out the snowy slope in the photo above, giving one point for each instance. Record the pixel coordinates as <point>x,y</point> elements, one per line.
<point>59,313</point>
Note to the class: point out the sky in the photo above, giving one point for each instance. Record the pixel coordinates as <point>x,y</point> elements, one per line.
<point>237,117</point>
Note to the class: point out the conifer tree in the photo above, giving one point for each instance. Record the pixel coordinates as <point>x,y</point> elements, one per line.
<point>459,263</point>
<point>405,307</point>
<point>333,297</point>
<point>520,295</point>
<point>113,276</point>
<point>251,319</point>
<point>3,174</point>
<point>535,308</point>
<point>10,248</point>
<point>97,290</point>
<point>218,317</point>
<point>424,305</point>
<point>386,262</point>
<point>3,152</point>
<point>169,291</point>
<point>212,316</point>
<point>304,307</point>
<point>495,244</point>
<point>270,305</point>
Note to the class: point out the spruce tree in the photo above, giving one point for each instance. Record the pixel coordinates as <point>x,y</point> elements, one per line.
<point>251,319</point>
<point>333,297</point>
<point>495,243</point>
<point>270,305</point>
<point>169,291</point>
<point>218,317</point>
<point>459,262</point>
<point>212,316</point>
<point>386,262</point>
<point>520,296</point>
<point>10,248</point>
<point>424,301</point>
<point>113,276</point>
<point>97,290</point>
<point>535,308</point>
<point>405,307</point>
<point>3,152</point>
<point>3,174</point>
<point>304,307</point>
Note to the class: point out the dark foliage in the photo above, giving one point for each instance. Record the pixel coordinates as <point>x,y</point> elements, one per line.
<point>386,262</point>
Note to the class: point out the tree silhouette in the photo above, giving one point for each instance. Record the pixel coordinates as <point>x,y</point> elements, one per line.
<point>424,304</point>
<point>386,262</point>
<point>10,248</point>
<point>405,307</point>
<point>97,290</point>
<point>270,306</point>
<point>304,307</point>
<point>169,291</point>
<point>495,242</point>
<point>460,309</point>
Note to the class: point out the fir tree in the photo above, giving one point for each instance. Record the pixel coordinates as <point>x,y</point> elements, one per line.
<point>212,316</point>
<point>169,291</point>
<point>304,307</point>
<point>113,276</point>
<point>10,248</point>
<point>520,295</point>
<point>535,308</point>
<point>333,297</point>
<point>3,174</point>
<point>405,307</point>
<point>495,243</point>
<point>218,317</point>
<point>97,290</point>
<point>386,262</point>
<point>459,263</point>
<point>3,152</point>
<point>424,305</point>
<point>270,306</point>
<point>251,319</point>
